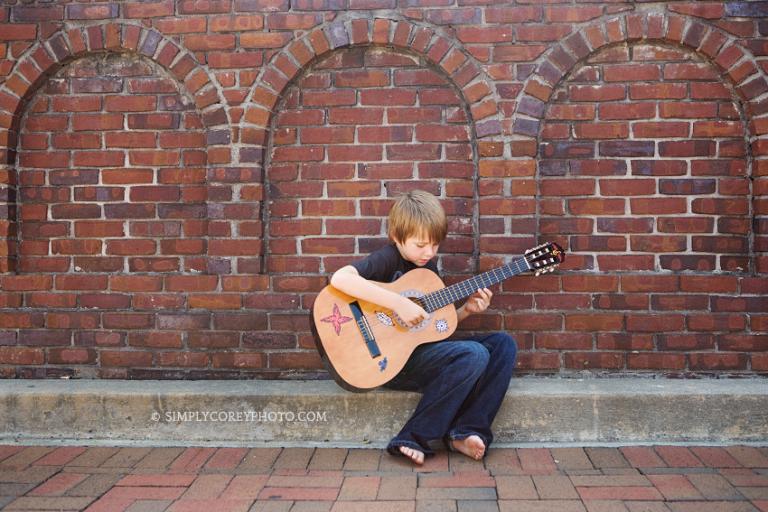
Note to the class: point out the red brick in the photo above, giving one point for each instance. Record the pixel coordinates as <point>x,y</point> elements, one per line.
<point>620,493</point>
<point>236,23</point>
<point>601,131</point>
<point>478,34</point>
<point>385,97</point>
<point>125,359</point>
<point>642,457</point>
<point>535,32</point>
<point>656,361</point>
<point>18,31</point>
<point>204,7</point>
<point>691,110</point>
<point>563,14</point>
<point>678,456</point>
<point>135,283</point>
<point>192,459</point>
<point>717,129</point>
<point>708,91</point>
<point>280,21</point>
<point>659,91</point>
<point>60,456</point>
<point>715,457</point>
<point>58,484</point>
<point>596,206</point>
<point>646,206</point>
<point>536,461</point>
<point>518,53</point>
<point>748,456</point>
<point>660,129</point>
<point>631,72</point>
<point>610,111</point>
<point>707,10</point>
<point>612,92</point>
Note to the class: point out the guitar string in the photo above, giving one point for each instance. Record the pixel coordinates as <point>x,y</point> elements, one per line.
<point>447,295</point>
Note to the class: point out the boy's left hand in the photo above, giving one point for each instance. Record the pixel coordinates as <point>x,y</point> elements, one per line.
<point>478,301</point>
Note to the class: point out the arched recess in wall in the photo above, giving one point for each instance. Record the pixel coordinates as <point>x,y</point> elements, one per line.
<point>356,129</point>
<point>714,122</point>
<point>319,106</point>
<point>107,134</point>
<point>643,164</point>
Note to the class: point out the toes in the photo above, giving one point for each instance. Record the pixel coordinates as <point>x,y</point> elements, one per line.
<point>415,455</point>
<point>478,447</point>
<point>472,446</point>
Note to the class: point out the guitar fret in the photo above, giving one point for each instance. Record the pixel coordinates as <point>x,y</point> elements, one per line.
<point>457,291</point>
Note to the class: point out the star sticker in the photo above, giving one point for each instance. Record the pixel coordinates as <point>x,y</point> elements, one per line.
<point>336,319</point>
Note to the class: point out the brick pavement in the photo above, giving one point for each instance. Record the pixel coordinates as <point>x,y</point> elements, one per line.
<point>627,479</point>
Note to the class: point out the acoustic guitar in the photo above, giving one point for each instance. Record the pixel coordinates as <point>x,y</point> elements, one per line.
<point>364,345</point>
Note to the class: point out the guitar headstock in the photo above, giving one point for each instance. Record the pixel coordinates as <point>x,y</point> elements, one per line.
<point>545,257</point>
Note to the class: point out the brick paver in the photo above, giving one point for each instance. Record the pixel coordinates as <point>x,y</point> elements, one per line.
<point>623,479</point>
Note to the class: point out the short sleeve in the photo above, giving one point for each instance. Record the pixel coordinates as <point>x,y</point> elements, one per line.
<point>379,265</point>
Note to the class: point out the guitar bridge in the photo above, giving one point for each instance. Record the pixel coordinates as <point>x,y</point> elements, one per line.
<point>365,329</point>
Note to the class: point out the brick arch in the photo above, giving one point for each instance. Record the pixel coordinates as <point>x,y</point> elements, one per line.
<point>447,55</point>
<point>47,57</point>
<point>734,63</point>
<point>716,45</point>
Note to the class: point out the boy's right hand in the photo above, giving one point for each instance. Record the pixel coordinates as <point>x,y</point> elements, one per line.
<point>410,313</point>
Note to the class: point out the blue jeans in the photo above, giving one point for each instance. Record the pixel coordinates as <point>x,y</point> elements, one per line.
<point>463,384</point>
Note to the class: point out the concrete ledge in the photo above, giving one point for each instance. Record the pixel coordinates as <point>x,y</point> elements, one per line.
<point>319,413</point>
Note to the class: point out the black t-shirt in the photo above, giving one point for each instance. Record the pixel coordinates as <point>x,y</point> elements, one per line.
<point>385,265</point>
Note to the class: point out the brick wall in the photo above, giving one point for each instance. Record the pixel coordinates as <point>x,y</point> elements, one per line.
<point>178,179</point>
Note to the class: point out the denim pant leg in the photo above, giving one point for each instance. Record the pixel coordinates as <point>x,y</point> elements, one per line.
<point>478,410</point>
<point>446,373</point>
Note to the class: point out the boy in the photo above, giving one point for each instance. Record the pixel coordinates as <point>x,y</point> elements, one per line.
<point>463,382</point>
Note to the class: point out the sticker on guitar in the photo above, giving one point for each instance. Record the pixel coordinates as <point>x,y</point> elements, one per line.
<point>385,319</point>
<point>415,294</point>
<point>337,319</point>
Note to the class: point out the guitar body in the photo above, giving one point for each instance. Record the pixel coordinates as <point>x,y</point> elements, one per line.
<point>364,345</point>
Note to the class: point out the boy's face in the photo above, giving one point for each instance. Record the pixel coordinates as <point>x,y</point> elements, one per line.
<point>418,249</point>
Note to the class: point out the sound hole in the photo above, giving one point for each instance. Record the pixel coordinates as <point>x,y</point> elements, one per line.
<point>417,297</point>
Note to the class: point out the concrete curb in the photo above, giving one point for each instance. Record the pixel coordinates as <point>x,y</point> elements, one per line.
<point>319,413</point>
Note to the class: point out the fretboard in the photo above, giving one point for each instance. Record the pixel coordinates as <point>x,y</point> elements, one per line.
<point>450,294</point>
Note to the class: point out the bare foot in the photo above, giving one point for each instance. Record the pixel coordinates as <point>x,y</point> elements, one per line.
<point>415,455</point>
<point>471,446</point>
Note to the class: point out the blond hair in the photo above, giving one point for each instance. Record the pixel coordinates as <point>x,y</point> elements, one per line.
<point>417,213</point>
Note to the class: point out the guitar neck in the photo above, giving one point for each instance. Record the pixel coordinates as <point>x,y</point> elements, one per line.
<point>450,294</point>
